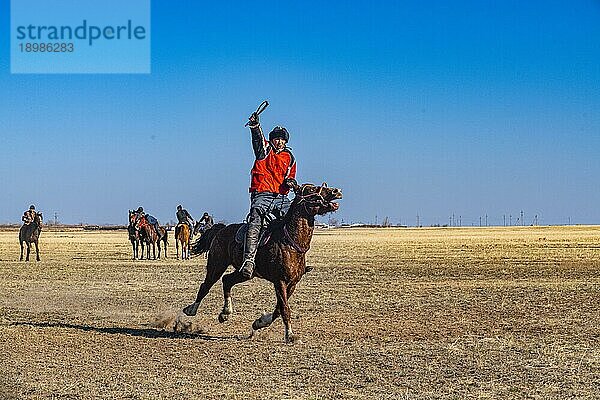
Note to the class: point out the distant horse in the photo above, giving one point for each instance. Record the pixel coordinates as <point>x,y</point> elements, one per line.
<point>150,237</point>
<point>134,235</point>
<point>30,233</point>
<point>182,235</point>
<point>281,260</point>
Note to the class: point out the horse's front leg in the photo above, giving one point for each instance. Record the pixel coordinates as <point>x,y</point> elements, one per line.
<point>37,251</point>
<point>21,258</point>
<point>154,250</point>
<point>267,319</point>
<point>28,251</point>
<point>284,309</point>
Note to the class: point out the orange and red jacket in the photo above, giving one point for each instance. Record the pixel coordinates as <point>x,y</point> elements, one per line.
<point>270,168</point>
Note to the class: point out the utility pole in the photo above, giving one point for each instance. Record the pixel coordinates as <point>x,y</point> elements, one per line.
<point>460,220</point>
<point>510,220</point>
<point>480,220</point>
<point>55,218</point>
<point>522,219</point>
<point>504,219</point>
<point>418,221</point>
<point>486,224</point>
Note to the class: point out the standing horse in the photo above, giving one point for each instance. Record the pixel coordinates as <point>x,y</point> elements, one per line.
<point>150,237</point>
<point>134,235</point>
<point>30,233</point>
<point>281,260</point>
<point>182,235</point>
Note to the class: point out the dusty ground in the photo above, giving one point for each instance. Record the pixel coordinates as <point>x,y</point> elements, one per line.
<point>403,314</point>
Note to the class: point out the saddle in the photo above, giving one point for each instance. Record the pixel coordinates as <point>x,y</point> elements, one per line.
<point>271,222</point>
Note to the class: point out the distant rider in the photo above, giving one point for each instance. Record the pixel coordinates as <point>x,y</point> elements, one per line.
<point>29,215</point>
<point>207,222</point>
<point>273,165</point>
<point>184,217</point>
<point>151,220</point>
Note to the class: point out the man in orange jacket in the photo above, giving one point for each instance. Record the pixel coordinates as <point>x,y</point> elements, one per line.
<point>274,163</point>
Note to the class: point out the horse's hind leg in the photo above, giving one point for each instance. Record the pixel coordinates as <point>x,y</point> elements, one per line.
<point>229,281</point>
<point>213,273</point>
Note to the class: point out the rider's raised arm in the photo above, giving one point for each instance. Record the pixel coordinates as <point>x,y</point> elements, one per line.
<point>187,214</point>
<point>259,143</point>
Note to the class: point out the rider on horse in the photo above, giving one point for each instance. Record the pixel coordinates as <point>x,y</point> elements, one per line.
<point>29,215</point>
<point>184,217</point>
<point>207,222</point>
<point>151,220</point>
<point>273,165</point>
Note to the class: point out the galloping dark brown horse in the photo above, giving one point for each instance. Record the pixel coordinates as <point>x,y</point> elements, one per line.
<point>182,235</point>
<point>150,237</point>
<point>281,260</point>
<point>134,235</point>
<point>30,233</point>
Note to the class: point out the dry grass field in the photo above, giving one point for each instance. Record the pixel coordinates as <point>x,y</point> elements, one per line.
<point>486,313</point>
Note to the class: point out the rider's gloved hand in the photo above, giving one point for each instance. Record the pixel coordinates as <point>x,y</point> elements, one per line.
<point>253,120</point>
<point>291,183</point>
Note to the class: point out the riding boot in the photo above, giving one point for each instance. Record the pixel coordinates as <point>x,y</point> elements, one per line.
<point>251,244</point>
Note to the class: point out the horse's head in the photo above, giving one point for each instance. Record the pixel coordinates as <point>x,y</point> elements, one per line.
<point>38,218</point>
<point>132,217</point>
<point>139,221</point>
<point>316,200</point>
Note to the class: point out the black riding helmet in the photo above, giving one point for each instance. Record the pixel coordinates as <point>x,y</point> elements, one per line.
<point>279,132</point>
<point>179,207</point>
<point>140,209</point>
<point>32,207</point>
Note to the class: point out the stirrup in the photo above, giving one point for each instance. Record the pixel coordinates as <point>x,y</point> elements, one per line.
<point>247,269</point>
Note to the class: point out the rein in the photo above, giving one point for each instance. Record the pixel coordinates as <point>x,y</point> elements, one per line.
<point>293,243</point>
<point>304,200</point>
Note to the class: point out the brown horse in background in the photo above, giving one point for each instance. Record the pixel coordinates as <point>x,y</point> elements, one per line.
<point>134,235</point>
<point>149,236</point>
<point>182,235</point>
<point>281,260</point>
<point>30,233</point>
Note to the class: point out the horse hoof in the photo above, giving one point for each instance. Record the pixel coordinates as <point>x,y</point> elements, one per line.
<point>223,317</point>
<point>191,310</point>
<point>291,339</point>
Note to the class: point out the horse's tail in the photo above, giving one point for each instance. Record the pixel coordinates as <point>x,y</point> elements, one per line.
<point>202,244</point>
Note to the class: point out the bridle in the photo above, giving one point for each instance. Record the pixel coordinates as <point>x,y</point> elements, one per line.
<point>312,199</point>
<point>306,200</point>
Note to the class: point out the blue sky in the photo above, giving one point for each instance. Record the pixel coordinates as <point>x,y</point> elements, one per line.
<point>428,108</point>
